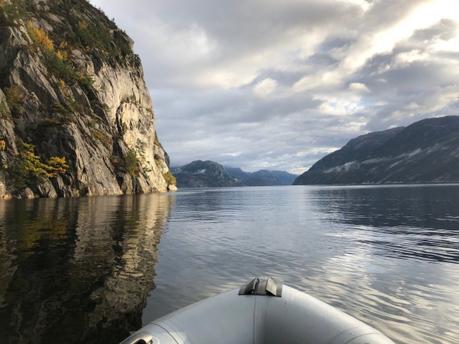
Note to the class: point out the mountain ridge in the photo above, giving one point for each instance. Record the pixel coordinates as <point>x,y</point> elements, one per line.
<point>208,173</point>
<point>426,151</point>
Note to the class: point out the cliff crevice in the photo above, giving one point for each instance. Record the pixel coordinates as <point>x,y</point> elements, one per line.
<point>76,117</point>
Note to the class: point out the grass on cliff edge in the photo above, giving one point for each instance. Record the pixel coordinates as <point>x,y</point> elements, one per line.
<point>28,169</point>
<point>170,178</point>
<point>56,59</point>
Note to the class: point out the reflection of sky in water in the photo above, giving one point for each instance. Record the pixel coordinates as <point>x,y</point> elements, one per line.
<point>80,270</point>
<point>387,255</point>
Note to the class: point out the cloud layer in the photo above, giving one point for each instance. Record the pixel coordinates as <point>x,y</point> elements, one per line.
<point>278,84</point>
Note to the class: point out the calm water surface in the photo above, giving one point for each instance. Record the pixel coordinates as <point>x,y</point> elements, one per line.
<point>91,270</point>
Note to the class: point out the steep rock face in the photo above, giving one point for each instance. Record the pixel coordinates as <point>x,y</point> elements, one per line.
<point>424,152</point>
<point>76,117</point>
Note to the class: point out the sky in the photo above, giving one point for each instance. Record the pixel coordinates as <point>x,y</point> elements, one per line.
<point>278,84</point>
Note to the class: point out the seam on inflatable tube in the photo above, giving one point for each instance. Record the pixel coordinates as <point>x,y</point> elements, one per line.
<point>165,329</point>
<point>343,332</point>
<point>360,335</point>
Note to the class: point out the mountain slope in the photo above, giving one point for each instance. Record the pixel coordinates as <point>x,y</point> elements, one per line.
<point>426,151</point>
<point>200,173</point>
<point>75,115</point>
<point>211,174</point>
<point>237,173</point>
<point>261,177</point>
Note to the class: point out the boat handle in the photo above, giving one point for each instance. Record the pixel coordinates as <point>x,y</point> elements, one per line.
<point>139,338</point>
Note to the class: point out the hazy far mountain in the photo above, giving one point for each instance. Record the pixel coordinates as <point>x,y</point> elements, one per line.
<point>199,174</point>
<point>261,177</point>
<point>211,174</point>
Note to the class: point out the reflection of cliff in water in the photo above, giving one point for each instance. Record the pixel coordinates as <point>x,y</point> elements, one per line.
<point>77,270</point>
<point>409,222</point>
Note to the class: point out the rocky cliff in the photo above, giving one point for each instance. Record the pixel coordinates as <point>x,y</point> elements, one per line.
<point>76,117</point>
<point>424,152</point>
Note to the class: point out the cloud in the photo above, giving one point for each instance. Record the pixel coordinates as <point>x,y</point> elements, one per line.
<point>358,87</point>
<point>265,87</point>
<point>278,84</point>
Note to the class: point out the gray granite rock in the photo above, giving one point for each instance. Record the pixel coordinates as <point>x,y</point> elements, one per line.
<point>92,107</point>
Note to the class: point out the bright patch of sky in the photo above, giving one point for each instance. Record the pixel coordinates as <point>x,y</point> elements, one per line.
<point>279,84</point>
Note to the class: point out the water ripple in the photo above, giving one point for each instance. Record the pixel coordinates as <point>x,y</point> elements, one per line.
<point>388,256</point>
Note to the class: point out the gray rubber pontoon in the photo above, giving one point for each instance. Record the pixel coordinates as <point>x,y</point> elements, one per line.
<point>263,311</point>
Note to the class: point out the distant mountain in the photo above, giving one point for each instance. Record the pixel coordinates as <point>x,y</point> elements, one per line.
<point>424,152</point>
<point>237,173</point>
<point>198,174</point>
<point>266,177</point>
<point>262,177</point>
<point>211,174</point>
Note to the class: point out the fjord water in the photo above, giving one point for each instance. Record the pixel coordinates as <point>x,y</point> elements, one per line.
<point>92,269</point>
